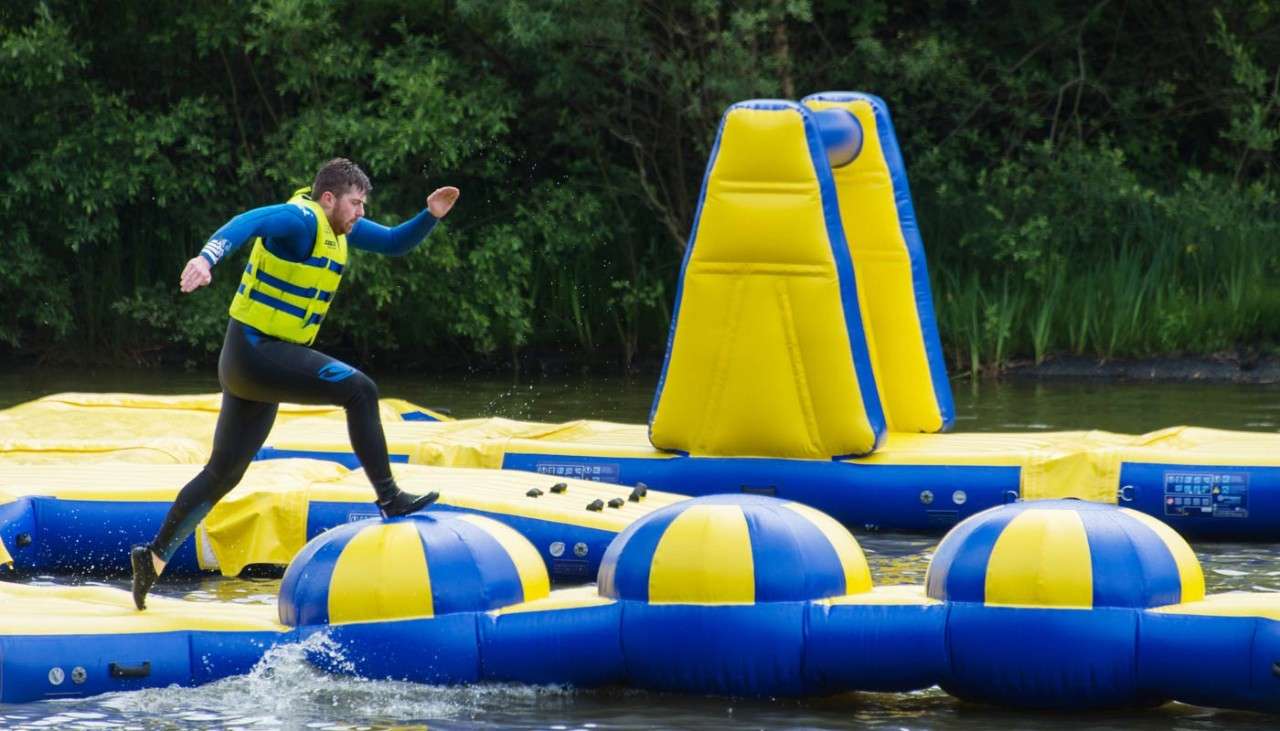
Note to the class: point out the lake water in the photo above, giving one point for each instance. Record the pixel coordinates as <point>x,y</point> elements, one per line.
<point>284,692</point>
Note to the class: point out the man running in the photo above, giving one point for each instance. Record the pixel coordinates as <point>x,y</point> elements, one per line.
<point>298,257</point>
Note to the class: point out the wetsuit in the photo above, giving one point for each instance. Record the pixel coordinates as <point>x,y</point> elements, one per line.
<point>258,371</point>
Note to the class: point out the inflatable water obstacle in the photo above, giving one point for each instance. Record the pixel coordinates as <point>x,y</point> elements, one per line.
<point>738,594</point>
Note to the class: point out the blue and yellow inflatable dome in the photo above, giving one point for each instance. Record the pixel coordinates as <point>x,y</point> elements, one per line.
<point>1065,553</point>
<point>733,549</point>
<point>1045,602</point>
<point>422,566</point>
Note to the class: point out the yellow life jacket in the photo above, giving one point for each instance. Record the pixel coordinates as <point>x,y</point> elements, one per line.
<point>286,299</point>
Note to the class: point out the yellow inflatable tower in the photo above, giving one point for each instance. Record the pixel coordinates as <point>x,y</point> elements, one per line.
<point>888,262</point>
<point>767,355</point>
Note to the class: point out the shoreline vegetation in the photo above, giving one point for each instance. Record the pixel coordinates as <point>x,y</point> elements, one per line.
<point>1216,368</point>
<point>1093,182</point>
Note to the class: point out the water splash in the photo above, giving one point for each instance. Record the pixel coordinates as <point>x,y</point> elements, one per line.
<point>285,690</point>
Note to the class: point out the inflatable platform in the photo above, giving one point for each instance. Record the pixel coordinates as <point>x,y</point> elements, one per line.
<point>1206,483</point>
<point>81,518</point>
<point>738,595</point>
<point>68,642</point>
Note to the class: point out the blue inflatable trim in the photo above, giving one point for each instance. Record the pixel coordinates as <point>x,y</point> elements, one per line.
<point>346,459</point>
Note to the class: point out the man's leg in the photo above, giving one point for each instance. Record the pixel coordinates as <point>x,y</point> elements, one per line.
<point>295,373</point>
<point>242,428</point>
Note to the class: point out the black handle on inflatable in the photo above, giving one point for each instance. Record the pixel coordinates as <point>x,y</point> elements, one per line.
<point>120,670</point>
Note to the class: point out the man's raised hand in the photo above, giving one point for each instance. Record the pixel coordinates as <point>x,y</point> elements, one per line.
<point>441,200</point>
<point>196,274</point>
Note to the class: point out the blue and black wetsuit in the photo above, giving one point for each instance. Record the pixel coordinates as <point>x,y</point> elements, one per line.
<point>257,371</point>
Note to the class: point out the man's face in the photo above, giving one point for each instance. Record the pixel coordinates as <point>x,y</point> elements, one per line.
<point>343,211</point>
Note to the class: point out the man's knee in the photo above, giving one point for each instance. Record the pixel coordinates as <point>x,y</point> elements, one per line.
<point>225,473</point>
<point>361,389</point>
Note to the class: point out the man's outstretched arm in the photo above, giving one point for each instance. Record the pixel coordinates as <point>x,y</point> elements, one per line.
<point>289,229</point>
<point>373,236</point>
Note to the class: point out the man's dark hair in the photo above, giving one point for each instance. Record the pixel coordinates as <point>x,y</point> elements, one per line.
<point>338,176</point>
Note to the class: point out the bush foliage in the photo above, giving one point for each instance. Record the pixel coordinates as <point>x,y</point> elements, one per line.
<point>1092,178</point>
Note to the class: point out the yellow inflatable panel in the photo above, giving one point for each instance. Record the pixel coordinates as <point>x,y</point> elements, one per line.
<point>573,598</point>
<point>1229,604</point>
<point>126,427</point>
<point>1083,464</point>
<point>889,264</point>
<point>892,595</point>
<point>144,450</point>
<point>98,610</point>
<point>481,443</point>
<point>767,355</point>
